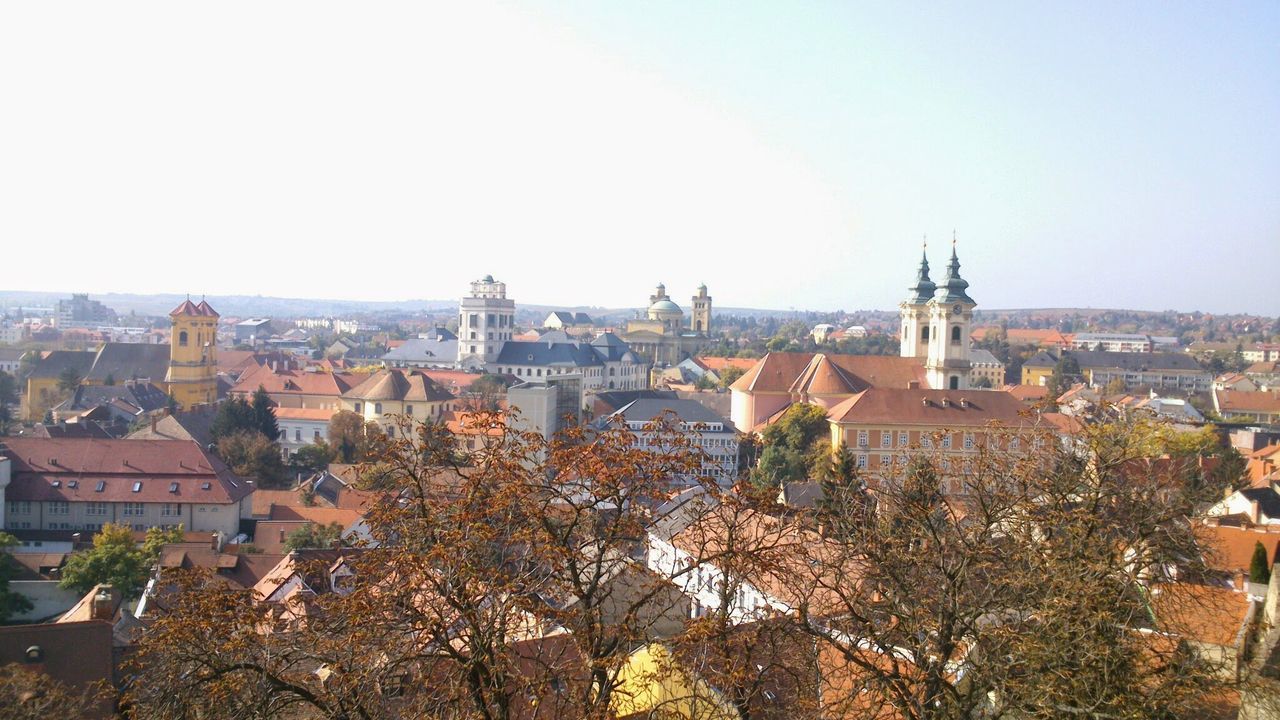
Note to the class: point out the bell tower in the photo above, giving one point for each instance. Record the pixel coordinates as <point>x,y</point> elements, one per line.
<point>700,317</point>
<point>915,312</point>
<point>192,378</point>
<point>950,318</point>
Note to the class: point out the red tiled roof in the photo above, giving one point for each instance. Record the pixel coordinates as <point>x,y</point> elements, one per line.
<point>1230,548</point>
<point>291,413</point>
<point>1263,402</point>
<point>717,364</point>
<point>936,408</point>
<point>778,372</point>
<point>45,469</point>
<point>1028,393</point>
<point>296,382</point>
<point>78,654</point>
<point>399,385</point>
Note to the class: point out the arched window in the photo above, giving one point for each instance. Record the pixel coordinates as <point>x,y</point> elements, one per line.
<point>955,334</point>
<point>955,382</point>
<point>182,338</point>
<point>924,333</point>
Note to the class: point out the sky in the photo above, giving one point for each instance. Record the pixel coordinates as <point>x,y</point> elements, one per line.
<point>789,155</point>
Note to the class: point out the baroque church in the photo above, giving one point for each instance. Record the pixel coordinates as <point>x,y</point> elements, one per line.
<point>661,335</point>
<point>936,320</point>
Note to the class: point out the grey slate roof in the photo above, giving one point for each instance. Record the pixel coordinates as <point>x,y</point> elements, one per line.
<point>121,362</point>
<point>144,396</point>
<point>56,362</point>
<point>424,350</point>
<point>1138,362</point>
<point>689,411</point>
<point>557,350</point>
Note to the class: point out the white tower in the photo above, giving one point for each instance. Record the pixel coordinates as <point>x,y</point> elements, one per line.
<point>950,317</point>
<point>915,313</point>
<point>486,320</point>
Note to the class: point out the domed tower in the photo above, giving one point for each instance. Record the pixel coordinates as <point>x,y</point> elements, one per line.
<point>950,318</point>
<point>915,312</point>
<point>192,378</point>
<point>486,321</point>
<point>700,317</point>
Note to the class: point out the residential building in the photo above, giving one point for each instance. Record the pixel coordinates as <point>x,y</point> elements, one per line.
<point>12,333</point>
<point>985,370</point>
<point>81,312</point>
<point>11,360</point>
<point>780,379</point>
<point>606,363</point>
<point>43,381</point>
<point>822,331</point>
<point>300,427</point>
<point>82,484</point>
<point>309,388</point>
<point>1163,371</point>
<point>1113,342</point>
<point>564,320</point>
<point>1261,352</point>
<point>435,349</point>
<point>1250,505</point>
<point>253,330</point>
<point>398,392</point>
<point>1237,382</point>
<point>192,378</point>
<point>486,321</point>
<point>713,436</point>
<point>885,427</point>
<point>1236,406</point>
<point>661,337</point>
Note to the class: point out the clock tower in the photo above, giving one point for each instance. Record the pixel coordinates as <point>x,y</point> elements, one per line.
<point>950,317</point>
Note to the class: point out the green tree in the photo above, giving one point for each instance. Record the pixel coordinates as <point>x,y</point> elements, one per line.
<point>234,416</point>
<point>250,454</point>
<point>264,415</point>
<point>1065,372</point>
<point>69,380</point>
<point>114,558</point>
<point>704,382</point>
<point>1115,386</point>
<point>314,535</point>
<point>11,603</point>
<point>8,398</point>
<point>1259,568</point>
<point>157,538</point>
<point>795,448</point>
<point>313,458</point>
<point>729,375</point>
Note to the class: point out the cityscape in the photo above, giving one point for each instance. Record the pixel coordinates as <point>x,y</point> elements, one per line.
<point>441,441</point>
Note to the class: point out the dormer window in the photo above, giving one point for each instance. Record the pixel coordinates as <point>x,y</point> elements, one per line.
<point>205,486</point>
<point>173,487</point>
<point>137,486</point>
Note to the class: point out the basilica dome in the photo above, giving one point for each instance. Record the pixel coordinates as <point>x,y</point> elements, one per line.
<point>664,309</point>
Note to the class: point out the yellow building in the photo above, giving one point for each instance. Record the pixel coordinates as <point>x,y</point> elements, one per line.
<point>193,355</point>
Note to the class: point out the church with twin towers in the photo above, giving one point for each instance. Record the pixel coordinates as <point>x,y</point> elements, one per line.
<point>936,323</point>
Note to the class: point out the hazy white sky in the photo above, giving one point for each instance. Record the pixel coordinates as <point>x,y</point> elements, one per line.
<point>787,154</point>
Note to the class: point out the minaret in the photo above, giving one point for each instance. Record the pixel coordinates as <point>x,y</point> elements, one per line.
<point>950,317</point>
<point>700,316</point>
<point>192,378</point>
<point>486,321</point>
<point>915,312</point>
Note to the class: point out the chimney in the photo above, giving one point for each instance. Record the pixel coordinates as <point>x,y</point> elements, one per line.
<point>101,607</point>
<point>216,541</point>
<point>946,402</point>
<point>964,402</point>
<point>153,424</point>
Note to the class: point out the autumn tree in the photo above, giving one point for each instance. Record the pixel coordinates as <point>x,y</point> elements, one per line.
<point>729,375</point>
<point>114,558</point>
<point>314,535</point>
<point>31,695</point>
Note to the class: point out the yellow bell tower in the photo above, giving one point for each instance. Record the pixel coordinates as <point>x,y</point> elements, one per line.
<point>193,355</point>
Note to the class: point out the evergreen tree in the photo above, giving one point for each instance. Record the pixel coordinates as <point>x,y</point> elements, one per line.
<point>234,415</point>
<point>1259,568</point>
<point>264,416</point>
<point>10,601</point>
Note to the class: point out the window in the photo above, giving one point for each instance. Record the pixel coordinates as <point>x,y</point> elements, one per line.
<point>926,441</point>
<point>59,507</point>
<point>377,408</point>
<point>182,338</point>
<point>968,441</point>
<point>102,485</point>
<point>132,508</point>
<point>171,509</point>
<point>297,434</point>
<point>95,508</point>
<point>862,461</point>
<point>358,407</point>
<point>22,507</point>
<point>886,438</point>
<point>173,487</point>
<point>924,333</point>
<point>1015,443</point>
<point>946,441</point>
<point>408,410</point>
<point>205,486</point>
<point>885,460</point>
<point>902,438</point>
<point>955,334</point>
<point>955,382</point>
<point>73,484</point>
<point>862,438</point>
<point>137,486</point>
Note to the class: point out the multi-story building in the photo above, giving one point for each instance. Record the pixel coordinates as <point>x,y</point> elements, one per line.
<point>1113,342</point>
<point>300,427</point>
<point>81,312</point>
<point>1262,406</point>
<point>1170,371</point>
<point>712,435</point>
<point>486,320</point>
<point>1261,352</point>
<point>398,392</point>
<point>288,387</point>
<point>885,427</point>
<point>986,370</point>
<point>81,484</point>
<point>606,363</point>
<point>253,330</point>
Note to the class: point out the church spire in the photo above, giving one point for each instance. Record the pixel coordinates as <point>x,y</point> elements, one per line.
<point>924,287</point>
<point>953,285</point>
